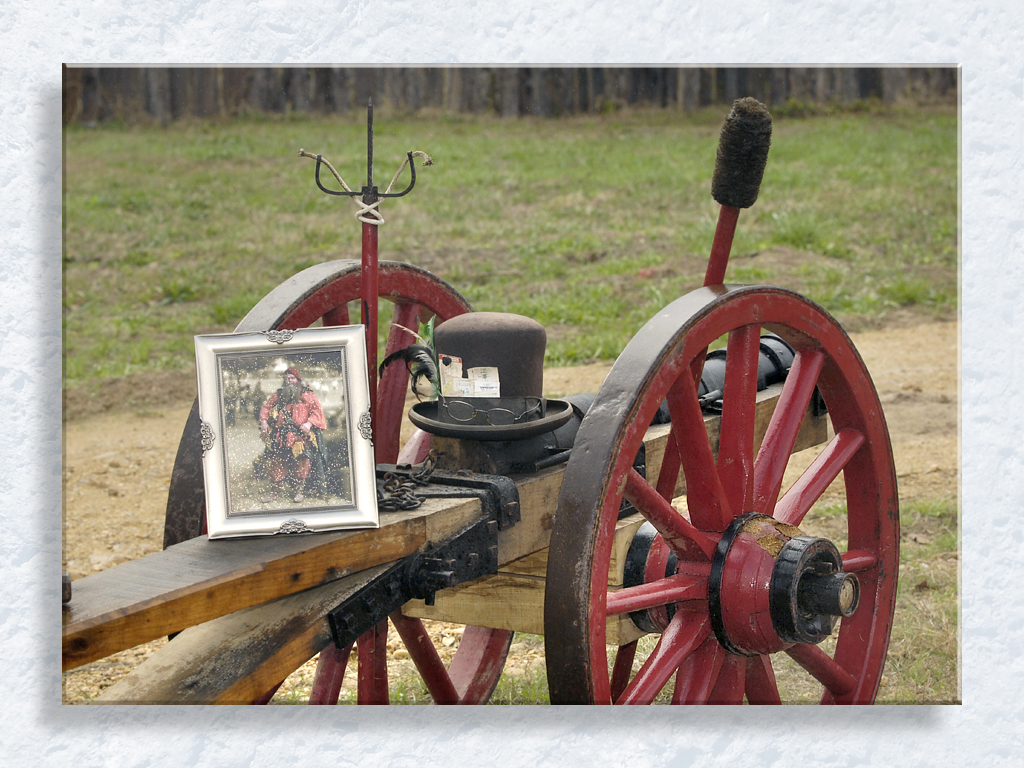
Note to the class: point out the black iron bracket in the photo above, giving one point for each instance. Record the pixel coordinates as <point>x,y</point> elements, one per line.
<point>498,494</point>
<point>468,555</point>
<point>369,192</point>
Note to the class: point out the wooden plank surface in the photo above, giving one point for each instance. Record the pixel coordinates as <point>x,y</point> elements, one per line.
<point>198,580</point>
<point>237,658</point>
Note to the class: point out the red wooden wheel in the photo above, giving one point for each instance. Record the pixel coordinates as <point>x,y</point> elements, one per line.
<point>745,585</point>
<point>323,292</point>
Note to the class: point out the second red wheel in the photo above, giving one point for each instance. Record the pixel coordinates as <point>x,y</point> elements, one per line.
<point>323,293</point>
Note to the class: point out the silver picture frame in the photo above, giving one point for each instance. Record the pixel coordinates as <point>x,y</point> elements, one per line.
<point>287,447</point>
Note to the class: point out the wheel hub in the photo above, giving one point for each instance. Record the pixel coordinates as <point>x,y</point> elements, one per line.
<point>772,586</point>
<point>649,559</point>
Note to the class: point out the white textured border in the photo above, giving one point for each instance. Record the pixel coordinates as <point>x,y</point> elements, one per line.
<point>985,37</point>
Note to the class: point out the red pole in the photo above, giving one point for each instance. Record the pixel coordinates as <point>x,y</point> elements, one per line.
<point>368,279</point>
<point>722,245</point>
<point>717,262</point>
<point>368,292</point>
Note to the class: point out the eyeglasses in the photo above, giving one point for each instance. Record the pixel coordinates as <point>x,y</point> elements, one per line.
<point>462,411</point>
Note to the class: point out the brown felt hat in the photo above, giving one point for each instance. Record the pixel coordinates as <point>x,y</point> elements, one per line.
<point>515,346</point>
<point>511,343</point>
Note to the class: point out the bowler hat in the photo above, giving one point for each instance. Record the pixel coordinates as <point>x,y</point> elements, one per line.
<point>491,370</point>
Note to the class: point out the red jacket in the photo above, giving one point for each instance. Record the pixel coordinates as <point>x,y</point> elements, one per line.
<point>307,409</point>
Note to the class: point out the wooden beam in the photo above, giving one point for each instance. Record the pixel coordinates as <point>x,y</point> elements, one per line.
<point>198,580</point>
<point>235,659</point>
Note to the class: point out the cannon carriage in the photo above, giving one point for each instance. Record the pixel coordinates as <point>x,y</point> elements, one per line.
<point>700,546</point>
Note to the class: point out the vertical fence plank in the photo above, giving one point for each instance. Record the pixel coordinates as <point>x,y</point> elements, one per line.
<point>507,89</point>
<point>71,93</point>
<point>342,80</point>
<point>158,93</point>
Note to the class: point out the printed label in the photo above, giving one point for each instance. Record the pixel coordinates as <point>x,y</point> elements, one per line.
<point>485,388</point>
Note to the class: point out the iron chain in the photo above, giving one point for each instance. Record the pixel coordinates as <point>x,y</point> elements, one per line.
<point>398,492</point>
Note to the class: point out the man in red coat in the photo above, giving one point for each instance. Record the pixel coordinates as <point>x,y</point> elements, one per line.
<point>291,421</point>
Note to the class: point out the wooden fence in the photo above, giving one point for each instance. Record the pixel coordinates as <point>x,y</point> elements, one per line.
<point>97,94</point>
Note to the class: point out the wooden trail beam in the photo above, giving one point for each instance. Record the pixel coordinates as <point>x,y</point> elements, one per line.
<point>237,658</point>
<point>198,580</point>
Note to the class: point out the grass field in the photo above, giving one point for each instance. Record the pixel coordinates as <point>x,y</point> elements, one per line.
<point>169,232</point>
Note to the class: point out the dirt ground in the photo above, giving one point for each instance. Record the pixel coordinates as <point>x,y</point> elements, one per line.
<point>117,463</point>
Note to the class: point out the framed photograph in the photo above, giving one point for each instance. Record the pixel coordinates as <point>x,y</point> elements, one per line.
<point>286,432</point>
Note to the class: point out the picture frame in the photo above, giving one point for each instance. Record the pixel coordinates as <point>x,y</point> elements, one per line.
<point>287,443</point>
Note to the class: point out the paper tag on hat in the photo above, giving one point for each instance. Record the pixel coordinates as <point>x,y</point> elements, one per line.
<point>459,388</point>
<point>449,371</point>
<point>484,388</point>
<point>483,374</point>
<point>485,382</point>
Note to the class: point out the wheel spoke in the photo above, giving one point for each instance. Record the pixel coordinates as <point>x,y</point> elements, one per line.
<point>736,444</point>
<point>779,439</point>
<point>678,532</point>
<point>684,633</point>
<point>760,683</point>
<point>392,386</point>
<point>372,687</point>
<point>731,679</point>
<point>709,508</point>
<point>823,668</point>
<point>266,697</point>
<point>478,663</point>
<point>668,475</point>
<point>330,674</point>
<point>623,668</point>
<point>424,655</point>
<point>698,672</point>
<point>671,589</point>
<point>818,476</point>
<point>859,560</point>
<point>655,569</point>
<point>337,316</point>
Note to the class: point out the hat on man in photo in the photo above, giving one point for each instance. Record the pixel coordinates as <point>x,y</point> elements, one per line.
<point>491,372</point>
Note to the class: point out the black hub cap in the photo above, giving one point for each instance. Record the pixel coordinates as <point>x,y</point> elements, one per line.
<point>809,591</point>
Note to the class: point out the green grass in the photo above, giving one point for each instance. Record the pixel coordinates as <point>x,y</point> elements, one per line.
<point>924,647</point>
<point>588,224</point>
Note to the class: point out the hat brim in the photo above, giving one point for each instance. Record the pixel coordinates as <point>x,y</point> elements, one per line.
<point>424,416</point>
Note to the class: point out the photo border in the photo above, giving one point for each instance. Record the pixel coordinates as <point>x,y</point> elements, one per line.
<point>221,521</point>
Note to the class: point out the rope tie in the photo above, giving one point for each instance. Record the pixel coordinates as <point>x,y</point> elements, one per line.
<point>369,210</point>
<point>369,214</point>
